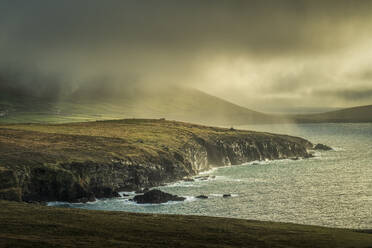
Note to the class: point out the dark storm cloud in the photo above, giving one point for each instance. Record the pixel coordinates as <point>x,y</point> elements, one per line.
<point>156,42</point>
<point>24,81</point>
<point>257,27</point>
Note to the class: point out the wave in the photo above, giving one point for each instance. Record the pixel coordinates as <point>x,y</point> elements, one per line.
<point>70,204</point>
<point>211,170</point>
<point>338,149</point>
<point>246,180</point>
<point>181,184</point>
<point>221,195</point>
<point>127,193</point>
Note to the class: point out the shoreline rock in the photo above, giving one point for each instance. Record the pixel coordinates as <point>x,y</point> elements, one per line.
<point>322,147</point>
<point>156,196</point>
<point>188,180</point>
<point>201,197</point>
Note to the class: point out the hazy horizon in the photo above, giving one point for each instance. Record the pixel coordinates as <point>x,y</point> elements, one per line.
<point>272,56</point>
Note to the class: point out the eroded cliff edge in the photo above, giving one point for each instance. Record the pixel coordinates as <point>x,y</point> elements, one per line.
<point>81,161</point>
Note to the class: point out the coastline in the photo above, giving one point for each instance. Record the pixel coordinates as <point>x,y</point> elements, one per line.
<point>79,162</point>
<point>177,182</point>
<point>25,224</point>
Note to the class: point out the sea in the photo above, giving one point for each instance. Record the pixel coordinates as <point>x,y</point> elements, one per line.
<point>332,189</point>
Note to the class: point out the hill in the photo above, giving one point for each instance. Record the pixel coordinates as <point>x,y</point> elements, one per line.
<point>31,225</point>
<point>355,114</point>
<point>173,103</point>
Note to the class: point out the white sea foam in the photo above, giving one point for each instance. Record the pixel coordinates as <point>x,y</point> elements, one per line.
<point>57,203</point>
<point>229,179</point>
<point>189,198</point>
<point>181,184</point>
<point>130,193</point>
<point>210,171</point>
<point>246,180</point>
<point>60,203</point>
<point>338,149</point>
<point>317,155</point>
<point>216,195</point>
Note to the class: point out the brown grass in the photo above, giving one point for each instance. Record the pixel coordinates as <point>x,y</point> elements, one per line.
<point>29,225</point>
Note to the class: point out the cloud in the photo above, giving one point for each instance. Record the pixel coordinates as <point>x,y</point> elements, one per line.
<point>365,75</point>
<point>254,27</point>
<point>348,94</point>
<point>291,47</point>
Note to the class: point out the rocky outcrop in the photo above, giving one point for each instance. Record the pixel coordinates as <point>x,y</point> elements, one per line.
<point>201,197</point>
<point>43,174</point>
<point>322,147</point>
<point>9,188</point>
<point>11,194</point>
<point>156,196</point>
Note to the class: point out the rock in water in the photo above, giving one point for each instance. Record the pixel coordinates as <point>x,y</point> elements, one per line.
<point>202,197</point>
<point>188,179</point>
<point>203,178</point>
<point>156,196</point>
<point>322,147</point>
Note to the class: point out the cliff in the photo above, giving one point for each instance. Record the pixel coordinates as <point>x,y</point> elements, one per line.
<point>80,161</point>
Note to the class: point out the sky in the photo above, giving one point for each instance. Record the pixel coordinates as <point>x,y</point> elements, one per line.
<point>272,56</point>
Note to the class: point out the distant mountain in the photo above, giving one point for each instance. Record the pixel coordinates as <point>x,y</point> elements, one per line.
<point>97,103</point>
<point>355,114</point>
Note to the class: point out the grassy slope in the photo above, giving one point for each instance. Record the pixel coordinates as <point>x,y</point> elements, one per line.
<point>29,225</point>
<point>103,140</point>
<point>175,103</point>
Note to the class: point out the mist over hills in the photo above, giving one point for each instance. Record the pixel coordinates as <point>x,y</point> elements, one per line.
<point>98,102</point>
<point>271,56</point>
<point>354,114</point>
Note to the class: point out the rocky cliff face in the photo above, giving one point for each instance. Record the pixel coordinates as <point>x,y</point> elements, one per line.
<point>69,180</point>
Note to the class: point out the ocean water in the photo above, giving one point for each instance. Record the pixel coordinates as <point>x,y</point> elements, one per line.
<point>332,189</point>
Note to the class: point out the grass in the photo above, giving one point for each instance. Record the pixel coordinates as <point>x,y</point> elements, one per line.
<point>173,103</point>
<point>31,225</point>
<point>103,140</point>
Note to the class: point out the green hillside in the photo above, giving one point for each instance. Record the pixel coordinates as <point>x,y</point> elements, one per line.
<point>183,104</point>
<point>174,103</point>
